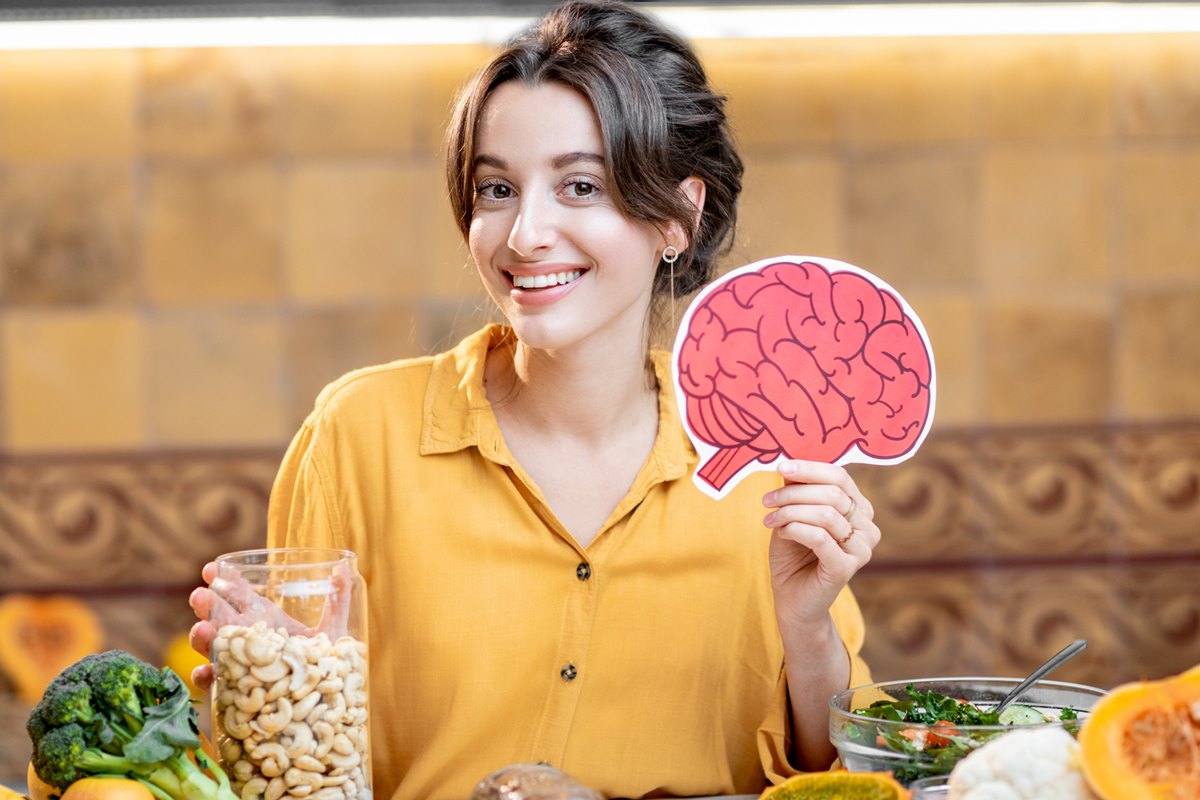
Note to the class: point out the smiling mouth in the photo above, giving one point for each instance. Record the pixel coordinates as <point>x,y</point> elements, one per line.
<point>545,281</point>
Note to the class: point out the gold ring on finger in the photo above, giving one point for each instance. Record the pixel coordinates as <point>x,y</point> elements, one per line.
<point>850,511</point>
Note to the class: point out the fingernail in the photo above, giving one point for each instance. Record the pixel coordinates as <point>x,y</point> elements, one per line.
<point>769,519</point>
<point>769,499</point>
<point>787,468</point>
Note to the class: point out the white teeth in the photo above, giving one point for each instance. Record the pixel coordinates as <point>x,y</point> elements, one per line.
<point>542,281</point>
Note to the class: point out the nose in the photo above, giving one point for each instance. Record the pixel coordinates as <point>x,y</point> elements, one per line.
<point>534,228</point>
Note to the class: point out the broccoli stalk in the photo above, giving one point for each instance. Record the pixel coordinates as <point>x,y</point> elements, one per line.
<point>111,715</point>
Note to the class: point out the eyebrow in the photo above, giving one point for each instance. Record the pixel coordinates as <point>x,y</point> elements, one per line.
<point>486,160</point>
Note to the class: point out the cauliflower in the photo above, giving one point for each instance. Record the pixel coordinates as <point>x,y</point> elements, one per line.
<point>1035,764</point>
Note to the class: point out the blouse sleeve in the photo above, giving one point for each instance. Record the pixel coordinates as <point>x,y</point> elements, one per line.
<point>775,734</point>
<point>299,513</point>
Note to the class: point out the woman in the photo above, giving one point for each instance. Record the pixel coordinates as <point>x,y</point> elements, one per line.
<point>545,582</point>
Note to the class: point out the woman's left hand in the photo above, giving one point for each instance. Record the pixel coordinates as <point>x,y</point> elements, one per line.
<point>823,534</point>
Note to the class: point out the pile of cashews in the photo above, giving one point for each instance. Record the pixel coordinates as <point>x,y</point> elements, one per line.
<point>290,713</point>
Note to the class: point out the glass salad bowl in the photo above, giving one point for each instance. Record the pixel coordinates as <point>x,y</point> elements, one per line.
<point>922,727</point>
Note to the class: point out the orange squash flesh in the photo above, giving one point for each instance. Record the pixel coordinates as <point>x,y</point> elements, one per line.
<point>838,785</point>
<point>1143,740</point>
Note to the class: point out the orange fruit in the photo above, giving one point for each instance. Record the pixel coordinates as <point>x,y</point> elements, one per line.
<point>838,785</point>
<point>38,788</point>
<point>107,789</point>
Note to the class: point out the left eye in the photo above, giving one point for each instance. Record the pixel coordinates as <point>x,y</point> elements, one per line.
<point>582,189</point>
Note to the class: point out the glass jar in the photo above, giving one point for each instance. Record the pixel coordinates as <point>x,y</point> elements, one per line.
<point>290,663</point>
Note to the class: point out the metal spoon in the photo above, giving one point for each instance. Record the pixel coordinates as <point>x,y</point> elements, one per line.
<point>1052,663</point>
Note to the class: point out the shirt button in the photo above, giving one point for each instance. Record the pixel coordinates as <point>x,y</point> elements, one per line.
<point>583,571</point>
<point>568,672</point>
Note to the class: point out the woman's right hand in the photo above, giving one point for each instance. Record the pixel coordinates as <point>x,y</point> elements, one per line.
<point>203,632</point>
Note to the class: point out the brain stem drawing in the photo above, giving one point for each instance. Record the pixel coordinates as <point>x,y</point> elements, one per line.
<point>795,360</point>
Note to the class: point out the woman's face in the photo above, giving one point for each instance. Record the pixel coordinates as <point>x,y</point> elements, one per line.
<point>558,258</point>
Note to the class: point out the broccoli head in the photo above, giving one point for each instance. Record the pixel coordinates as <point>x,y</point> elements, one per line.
<point>121,681</point>
<point>66,702</point>
<point>56,752</point>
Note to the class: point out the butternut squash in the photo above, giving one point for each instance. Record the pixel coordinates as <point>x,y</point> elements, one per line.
<point>838,785</point>
<point>1142,740</point>
<point>41,636</point>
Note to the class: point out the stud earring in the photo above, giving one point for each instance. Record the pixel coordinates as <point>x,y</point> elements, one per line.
<point>670,254</point>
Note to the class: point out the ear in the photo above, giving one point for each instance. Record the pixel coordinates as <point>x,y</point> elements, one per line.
<point>692,189</point>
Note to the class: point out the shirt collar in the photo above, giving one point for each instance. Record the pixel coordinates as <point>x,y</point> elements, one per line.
<point>457,414</point>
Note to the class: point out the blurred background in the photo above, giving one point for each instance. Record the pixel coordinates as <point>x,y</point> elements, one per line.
<point>194,239</point>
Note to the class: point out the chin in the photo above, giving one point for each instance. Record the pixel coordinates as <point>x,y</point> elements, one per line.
<point>544,334</point>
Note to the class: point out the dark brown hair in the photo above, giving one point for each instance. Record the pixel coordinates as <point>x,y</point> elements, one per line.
<point>660,120</point>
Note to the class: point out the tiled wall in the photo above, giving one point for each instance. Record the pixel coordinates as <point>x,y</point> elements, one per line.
<point>193,241</point>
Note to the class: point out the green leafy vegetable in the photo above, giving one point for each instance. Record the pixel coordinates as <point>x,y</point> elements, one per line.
<point>112,715</point>
<point>935,750</point>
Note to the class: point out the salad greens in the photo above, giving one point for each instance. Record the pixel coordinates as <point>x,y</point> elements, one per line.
<point>935,741</point>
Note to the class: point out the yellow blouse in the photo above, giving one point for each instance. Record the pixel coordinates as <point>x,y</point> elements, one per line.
<point>648,663</point>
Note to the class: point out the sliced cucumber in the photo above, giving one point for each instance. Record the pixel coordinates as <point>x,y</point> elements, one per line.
<point>1022,715</point>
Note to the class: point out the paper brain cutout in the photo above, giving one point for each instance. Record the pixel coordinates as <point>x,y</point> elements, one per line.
<point>800,357</point>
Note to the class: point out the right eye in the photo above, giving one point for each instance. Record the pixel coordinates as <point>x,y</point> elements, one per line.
<point>493,190</point>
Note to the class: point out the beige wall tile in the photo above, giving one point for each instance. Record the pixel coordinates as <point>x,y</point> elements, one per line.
<point>912,217</point>
<point>1047,86</point>
<point>1158,85</point>
<point>351,100</point>
<point>216,379</point>
<point>67,105</point>
<point>323,345</point>
<point>73,380</point>
<point>364,231</point>
<point>1159,355</point>
<point>1157,213</point>
<point>67,235</point>
<point>1047,362</point>
<point>212,234</point>
<point>209,102</point>
<point>910,91</point>
<point>1044,217</point>
<point>782,94</point>
<point>952,322</point>
<point>790,206</point>
<point>440,73</point>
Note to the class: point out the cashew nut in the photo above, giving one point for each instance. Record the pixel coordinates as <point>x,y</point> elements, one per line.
<point>302,708</point>
<point>250,703</point>
<point>243,770</point>
<point>299,777</point>
<point>325,735</point>
<point>230,749</point>
<point>237,648</point>
<point>275,720</point>
<point>254,788</point>
<point>270,672</point>
<point>235,723</point>
<point>309,764</point>
<point>344,761</point>
<point>275,789</point>
<point>278,689</point>
<point>262,651</point>
<point>311,677</point>
<point>301,737</point>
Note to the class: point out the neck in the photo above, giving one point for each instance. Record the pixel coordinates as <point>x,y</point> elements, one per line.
<point>583,395</point>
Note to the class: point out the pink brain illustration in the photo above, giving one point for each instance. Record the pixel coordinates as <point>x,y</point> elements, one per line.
<point>792,359</point>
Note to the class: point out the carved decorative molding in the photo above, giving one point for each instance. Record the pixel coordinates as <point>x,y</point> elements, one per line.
<point>97,524</point>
